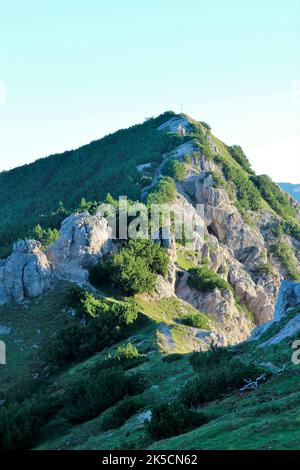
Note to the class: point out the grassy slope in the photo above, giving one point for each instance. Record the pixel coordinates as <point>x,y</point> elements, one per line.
<point>266,418</point>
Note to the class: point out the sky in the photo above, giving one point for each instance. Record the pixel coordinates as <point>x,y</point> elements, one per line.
<point>72,71</point>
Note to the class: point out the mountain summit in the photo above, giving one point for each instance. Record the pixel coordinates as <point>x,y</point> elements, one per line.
<point>80,308</point>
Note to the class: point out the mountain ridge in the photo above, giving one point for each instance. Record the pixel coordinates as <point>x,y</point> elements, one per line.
<point>77,304</point>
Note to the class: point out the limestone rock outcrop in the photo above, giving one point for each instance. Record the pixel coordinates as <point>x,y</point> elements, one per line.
<point>288,302</point>
<point>231,325</point>
<point>83,239</point>
<point>288,297</point>
<point>26,273</point>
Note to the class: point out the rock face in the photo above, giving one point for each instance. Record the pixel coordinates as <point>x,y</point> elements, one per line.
<point>230,326</point>
<point>288,297</point>
<point>288,301</point>
<point>26,273</point>
<point>225,222</point>
<point>239,250</point>
<point>83,240</point>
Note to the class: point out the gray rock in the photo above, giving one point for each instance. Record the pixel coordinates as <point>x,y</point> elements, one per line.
<point>230,325</point>
<point>290,329</point>
<point>26,273</point>
<point>289,296</point>
<point>83,239</point>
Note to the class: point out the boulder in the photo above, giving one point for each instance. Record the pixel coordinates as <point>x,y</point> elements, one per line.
<point>83,239</point>
<point>26,273</point>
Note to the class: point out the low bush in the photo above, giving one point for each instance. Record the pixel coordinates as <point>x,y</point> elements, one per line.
<point>163,192</point>
<point>218,179</point>
<point>275,197</point>
<point>214,357</point>
<point>287,227</point>
<point>187,159</point>
<point>98,274</point>
<point>212,383</point>
<point>106,325</point>
<point>206,126</point>
<point>135,267</point>
<point>172,419</point>
<point>86,303</point>
<point>175,169</point>
<point>247,194</point>
<point>237,153</point>
<point>285,255</point>
<point>86,398</point>
<point>263,268</point>
<point>20,423</point>
<point>115,416</point>
<point>45,235</point>
<point>205,280</point>
<point>197,320</point>
<point>126,356</point>
<point>172,357</point>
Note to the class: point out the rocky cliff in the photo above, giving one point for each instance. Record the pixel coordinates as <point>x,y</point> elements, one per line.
<point>29,271</point>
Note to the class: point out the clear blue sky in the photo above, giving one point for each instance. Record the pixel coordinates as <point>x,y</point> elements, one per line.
<point>73,70</point>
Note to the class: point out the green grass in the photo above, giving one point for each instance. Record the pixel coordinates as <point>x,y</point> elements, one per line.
<point>266,418</point>
<point>185,258</point>
<point>166,310</point>
<point>31,323</point>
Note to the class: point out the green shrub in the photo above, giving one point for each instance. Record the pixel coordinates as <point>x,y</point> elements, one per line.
<point>135,267</point>
<point>20,423</point>
<point>214,357</point>
<point>98,274</point>
<point>205,280</point>
<point>124,313</point>
<point>207,126</point>
<point>163,192</point>
<point>86,303</point>
<point>107,325</point>
<point>86,398</point>
<point>127,351</point>
<point>263,268</point>
<point>172,419</point>
<point>201,139</point>
<point>275,197</point>
<point>172,357</point>
<point>126,356</point>
<point>145,181</point>
<point>246,193</point>
<point>212,383</point>
<point>285,255</point>
<point>219,181</point>
<point>287,227</point>
<point>197,320</point>
<point>115,416</point>
<point>45,235</point>
<point>187,159</point>
<point>237,153</point>
<point>175,169</point>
